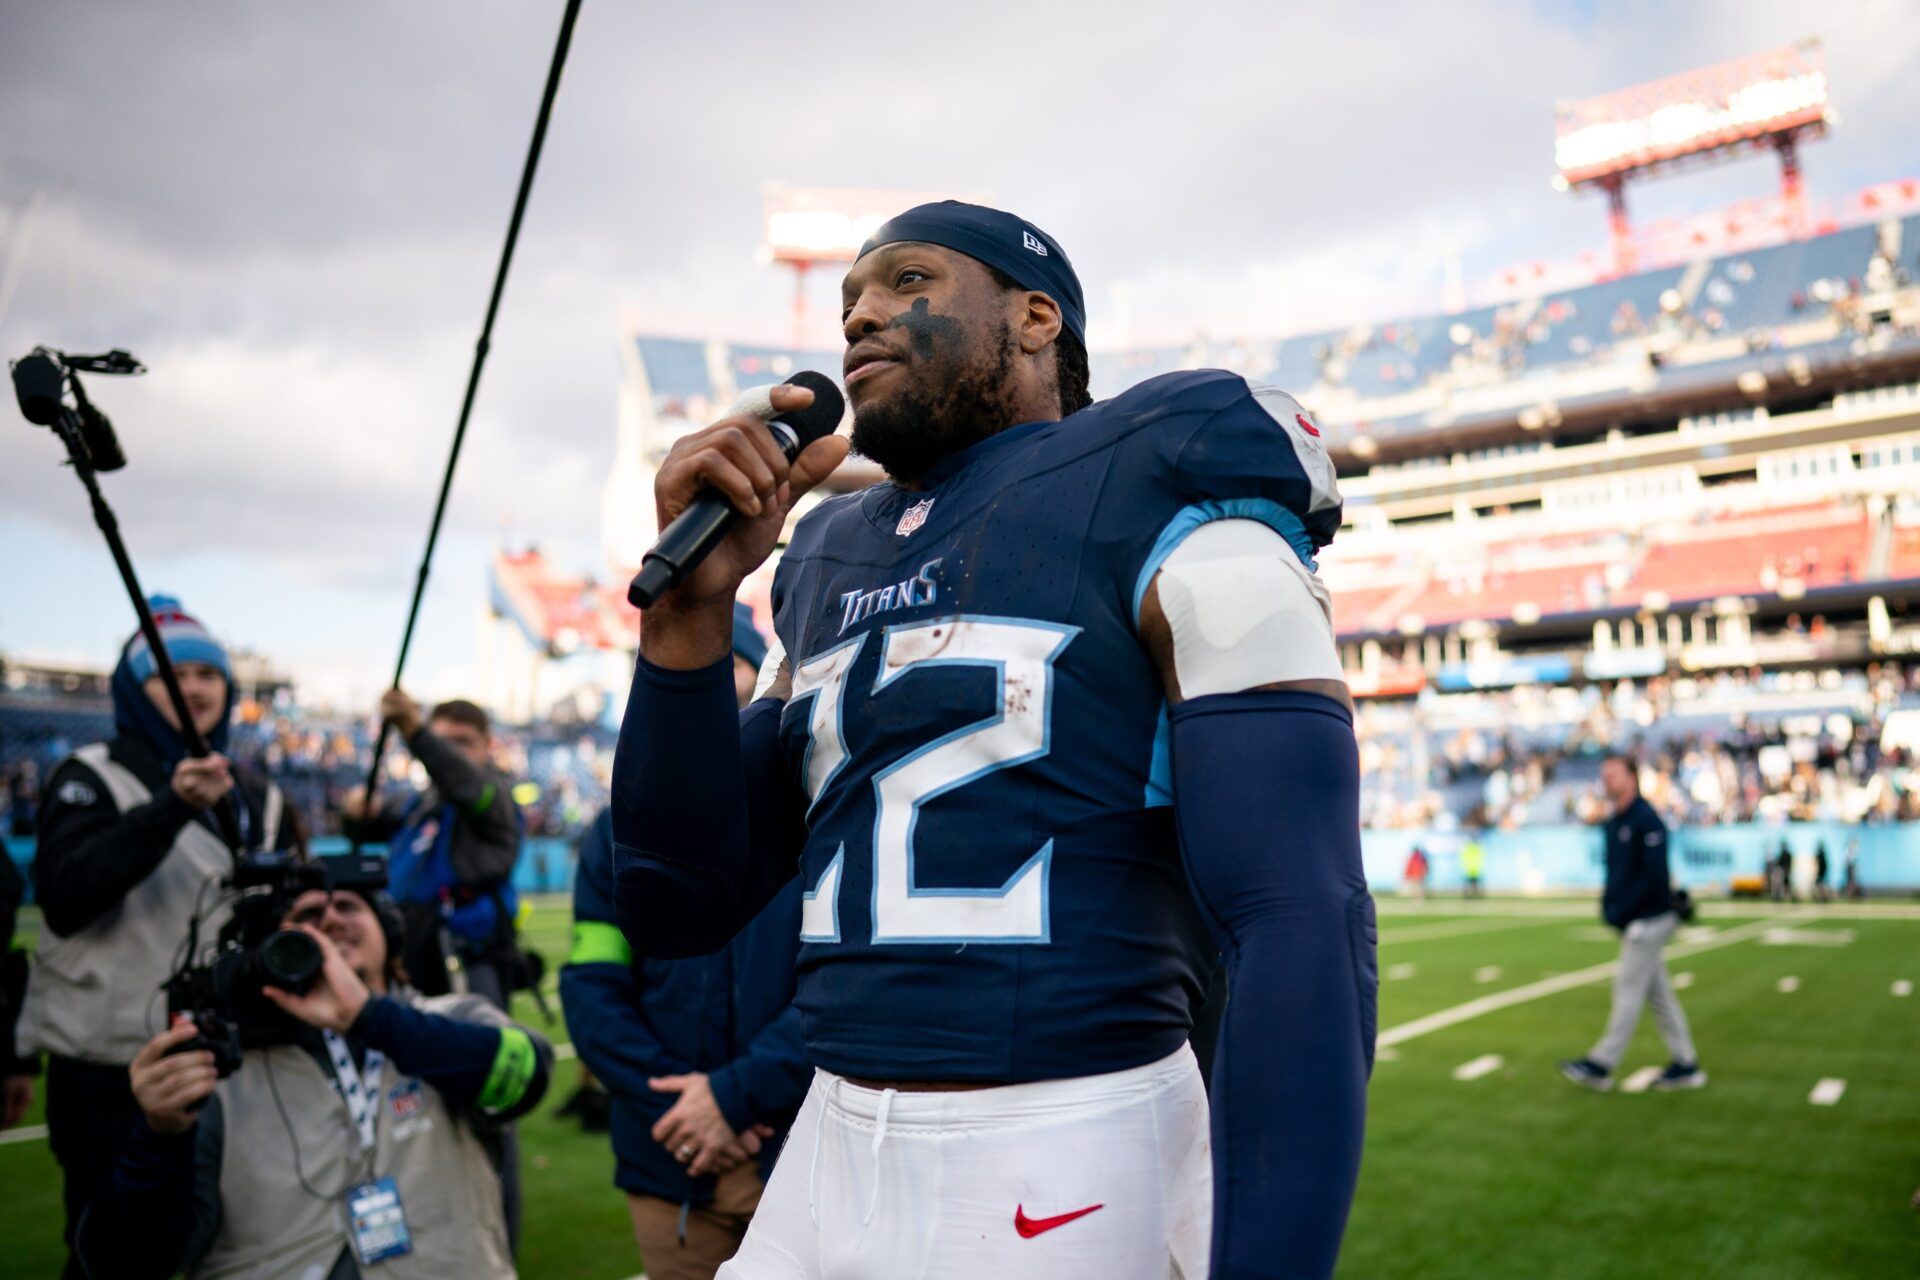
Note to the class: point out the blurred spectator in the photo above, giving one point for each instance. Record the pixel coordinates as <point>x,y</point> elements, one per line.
<point>1415,875</point>
<point>1473,864</point>
<point>20,806</point>
<point>452,848</point>
<point>16,1072</point>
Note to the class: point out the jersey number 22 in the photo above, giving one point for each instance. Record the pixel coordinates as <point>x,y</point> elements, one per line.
<point>1021,654</point>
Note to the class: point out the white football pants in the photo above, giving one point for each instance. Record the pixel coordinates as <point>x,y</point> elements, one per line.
<point>1105,1177</point>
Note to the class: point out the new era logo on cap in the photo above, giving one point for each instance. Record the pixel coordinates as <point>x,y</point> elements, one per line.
<point>1033,242</point>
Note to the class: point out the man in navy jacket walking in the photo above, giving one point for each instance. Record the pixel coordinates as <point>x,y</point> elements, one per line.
<point>1638,901</point>
<point>702,1058</point>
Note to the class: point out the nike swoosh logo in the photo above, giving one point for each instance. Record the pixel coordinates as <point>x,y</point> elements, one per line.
<point>1031,1227</point>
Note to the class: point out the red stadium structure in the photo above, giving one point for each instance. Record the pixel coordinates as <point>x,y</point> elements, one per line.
<point>1766,101</point>
<point>808,226</point>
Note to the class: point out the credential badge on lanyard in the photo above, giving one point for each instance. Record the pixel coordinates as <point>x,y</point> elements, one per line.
<point>361,1089</point>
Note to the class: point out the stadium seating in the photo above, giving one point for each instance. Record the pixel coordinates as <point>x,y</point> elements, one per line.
<point>1772,286</point>
<point>676,368</point>
<point>757,366</point>
<point>1757,552</point>
<point>1580,324</point>
<point>1903,559</point>
<point>1816,546</point>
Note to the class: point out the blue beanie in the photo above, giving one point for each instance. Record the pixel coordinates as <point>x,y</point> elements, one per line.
<point>185,638</point>
<point>1007,243</point>
<point>748,643</point>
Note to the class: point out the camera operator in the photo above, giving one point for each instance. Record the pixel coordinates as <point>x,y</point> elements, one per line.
<point>127,856</point>
<point>355,1143</point>
<point>452,850</point>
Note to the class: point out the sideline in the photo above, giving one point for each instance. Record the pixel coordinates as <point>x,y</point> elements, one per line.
<point>1588,908</point>
<point>1553,986</point>
<point>1459,928</point>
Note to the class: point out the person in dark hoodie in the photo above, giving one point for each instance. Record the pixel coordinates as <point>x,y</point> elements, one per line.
<point>702,1056</point>
<point>128,854</point>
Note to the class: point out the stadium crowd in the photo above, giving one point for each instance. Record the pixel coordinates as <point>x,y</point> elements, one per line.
<point>316,756</point>
<point>1510,758</point>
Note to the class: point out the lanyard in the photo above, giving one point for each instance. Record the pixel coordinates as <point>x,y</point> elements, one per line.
<point>360,1089</point>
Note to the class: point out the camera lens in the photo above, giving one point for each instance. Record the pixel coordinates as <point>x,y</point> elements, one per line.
<point>289,960</point>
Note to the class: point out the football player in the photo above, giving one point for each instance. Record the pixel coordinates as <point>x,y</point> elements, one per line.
<point>1055,720</point>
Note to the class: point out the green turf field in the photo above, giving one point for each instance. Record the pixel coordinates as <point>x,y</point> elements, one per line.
<point>1513,1173</point>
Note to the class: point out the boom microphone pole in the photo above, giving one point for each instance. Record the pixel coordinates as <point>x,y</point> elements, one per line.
<point>473,376</point>
<point>41,381</point>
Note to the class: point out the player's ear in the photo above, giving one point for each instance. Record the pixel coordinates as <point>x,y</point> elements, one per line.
<point>1039,323</point>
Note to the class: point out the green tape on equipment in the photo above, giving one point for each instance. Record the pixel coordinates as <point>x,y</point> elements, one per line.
<point>513,1070</point>
<point>598,943</point>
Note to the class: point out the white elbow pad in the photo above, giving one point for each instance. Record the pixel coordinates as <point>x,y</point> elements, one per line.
<point>1244,612</point>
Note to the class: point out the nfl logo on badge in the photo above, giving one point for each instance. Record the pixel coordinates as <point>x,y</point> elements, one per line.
<point>405,1100</point>
<point>913,517</point>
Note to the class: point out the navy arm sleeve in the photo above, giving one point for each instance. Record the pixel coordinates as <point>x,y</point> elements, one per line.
<point>499,1071</point>
<point>1266,795</point>
<point>707,823</point>
<point>597,987</point>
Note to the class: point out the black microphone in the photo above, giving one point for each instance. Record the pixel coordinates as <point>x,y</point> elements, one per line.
<point>40,384</point>
<point>700,528</point>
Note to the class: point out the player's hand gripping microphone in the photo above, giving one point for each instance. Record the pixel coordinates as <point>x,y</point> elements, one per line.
<point>701,527</point>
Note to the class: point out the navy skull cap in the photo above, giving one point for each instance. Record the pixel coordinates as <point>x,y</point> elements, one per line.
<point>1003,241</point>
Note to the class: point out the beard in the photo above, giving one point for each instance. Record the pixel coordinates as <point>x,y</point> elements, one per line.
<point>949,404</point>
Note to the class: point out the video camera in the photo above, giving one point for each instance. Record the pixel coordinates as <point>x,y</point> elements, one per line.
<point>223,995</point>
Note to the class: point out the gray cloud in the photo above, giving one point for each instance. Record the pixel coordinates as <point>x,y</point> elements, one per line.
<point>293,212</point>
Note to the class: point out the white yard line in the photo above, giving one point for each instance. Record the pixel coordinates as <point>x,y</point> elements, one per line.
<point>1549,987</point>
<point>1639,1080</point>
<point>1510,908</point>
<point>1485,1064</point>
<point>1488,973</point>
<point>1400,972</point>
<point>1456,929</point>
<point>1681,981</point>
<point>1788,985</point>
<point>1827,1092</point>
<point>26,1133</point>
<point>1807,938</point>
<point>1903,988</point>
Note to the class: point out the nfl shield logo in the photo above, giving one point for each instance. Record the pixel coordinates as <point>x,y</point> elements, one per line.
<point>913,517</point>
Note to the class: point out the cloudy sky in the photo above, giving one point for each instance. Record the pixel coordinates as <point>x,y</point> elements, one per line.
<point>292,214</point>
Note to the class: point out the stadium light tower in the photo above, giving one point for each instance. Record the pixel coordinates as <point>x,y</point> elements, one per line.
<point>807,226</point>
<point>1766,101</point>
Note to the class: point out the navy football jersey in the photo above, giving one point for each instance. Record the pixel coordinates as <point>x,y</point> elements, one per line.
<point>993,883</point>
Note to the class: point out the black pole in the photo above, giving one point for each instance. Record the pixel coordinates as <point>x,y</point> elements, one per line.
<point>68,428</point>
<point>480,349</point>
